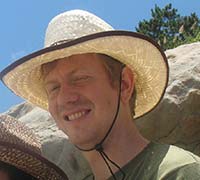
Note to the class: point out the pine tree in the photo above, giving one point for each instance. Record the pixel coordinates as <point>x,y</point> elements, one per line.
<point>168,28</point>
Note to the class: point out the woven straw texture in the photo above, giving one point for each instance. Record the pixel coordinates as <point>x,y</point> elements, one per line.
<point>20,147</point>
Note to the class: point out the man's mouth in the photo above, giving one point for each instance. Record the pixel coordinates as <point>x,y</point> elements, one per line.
<point>76,115</point>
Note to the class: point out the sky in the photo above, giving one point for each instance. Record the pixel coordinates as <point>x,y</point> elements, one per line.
<point>24,22</point>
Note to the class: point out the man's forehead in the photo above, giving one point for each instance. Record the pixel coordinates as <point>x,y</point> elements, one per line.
<point>74,60</point>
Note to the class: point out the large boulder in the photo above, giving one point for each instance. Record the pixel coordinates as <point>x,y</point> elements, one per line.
<point>177,118</point>
<point>175,121</point>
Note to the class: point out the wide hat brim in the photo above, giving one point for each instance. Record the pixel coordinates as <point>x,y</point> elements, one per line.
<point>30,162</point>
<point>140,53</point>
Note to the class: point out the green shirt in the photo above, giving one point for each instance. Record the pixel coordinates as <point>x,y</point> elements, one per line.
<point>161,162</point>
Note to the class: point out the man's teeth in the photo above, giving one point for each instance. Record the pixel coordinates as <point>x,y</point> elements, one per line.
<point>76,115</point>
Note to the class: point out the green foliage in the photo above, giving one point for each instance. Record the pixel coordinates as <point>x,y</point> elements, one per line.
<point>170,29</point>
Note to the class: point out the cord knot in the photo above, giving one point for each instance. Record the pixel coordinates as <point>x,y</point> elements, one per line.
<point>99,147</point>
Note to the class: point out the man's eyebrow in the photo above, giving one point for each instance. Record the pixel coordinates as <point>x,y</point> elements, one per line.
<point>77,70</point>
<point>74,71</point>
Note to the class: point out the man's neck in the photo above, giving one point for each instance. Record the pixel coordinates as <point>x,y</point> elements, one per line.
<point>120,147</point>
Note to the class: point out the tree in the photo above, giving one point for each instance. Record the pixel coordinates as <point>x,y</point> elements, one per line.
<point>168,28</point>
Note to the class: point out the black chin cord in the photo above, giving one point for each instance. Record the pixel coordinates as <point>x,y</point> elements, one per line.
<point>99,148</point>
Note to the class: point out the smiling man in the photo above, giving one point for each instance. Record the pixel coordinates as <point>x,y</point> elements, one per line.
<point>95,81</point>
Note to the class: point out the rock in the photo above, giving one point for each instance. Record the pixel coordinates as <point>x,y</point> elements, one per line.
<point>66,156</point>
<point>177,118</point>
<point>20,109</point>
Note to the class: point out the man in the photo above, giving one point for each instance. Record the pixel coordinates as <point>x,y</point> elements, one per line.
<point>20,154</point>
<point>94,80</point>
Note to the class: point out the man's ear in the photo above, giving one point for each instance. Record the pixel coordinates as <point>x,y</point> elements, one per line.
<point>127,84</point>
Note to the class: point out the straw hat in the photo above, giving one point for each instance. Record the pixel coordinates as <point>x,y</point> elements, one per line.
<point>78,32</point>
<point>20,147</point>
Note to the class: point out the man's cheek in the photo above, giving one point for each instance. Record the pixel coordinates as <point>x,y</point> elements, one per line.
<point>52,110</point>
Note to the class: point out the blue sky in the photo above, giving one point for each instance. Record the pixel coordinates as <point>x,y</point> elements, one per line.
<point>23,25</point>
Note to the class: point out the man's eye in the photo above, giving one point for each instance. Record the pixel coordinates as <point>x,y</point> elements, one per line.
<point>81,78</point>
<point>52,89</point>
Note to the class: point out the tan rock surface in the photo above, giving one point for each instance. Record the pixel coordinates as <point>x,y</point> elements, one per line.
<point>177,118</point>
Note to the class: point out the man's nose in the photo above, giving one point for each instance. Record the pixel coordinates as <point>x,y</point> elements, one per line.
<point>67,95</point>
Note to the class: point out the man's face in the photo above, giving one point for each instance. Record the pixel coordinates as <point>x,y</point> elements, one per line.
<point>81,98</point>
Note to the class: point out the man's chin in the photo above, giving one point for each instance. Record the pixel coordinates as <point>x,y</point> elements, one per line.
<point>83,144</point>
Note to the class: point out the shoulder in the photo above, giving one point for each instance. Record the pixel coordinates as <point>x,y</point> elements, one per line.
<point>190,171</point>
<point>177,158</point>
<point>180,156</point>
